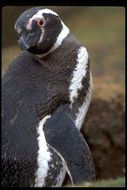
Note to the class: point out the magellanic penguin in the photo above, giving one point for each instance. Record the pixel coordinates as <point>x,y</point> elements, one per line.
<point>46,92</point>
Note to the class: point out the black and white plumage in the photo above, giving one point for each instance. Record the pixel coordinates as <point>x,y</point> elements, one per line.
<point>46,92</point>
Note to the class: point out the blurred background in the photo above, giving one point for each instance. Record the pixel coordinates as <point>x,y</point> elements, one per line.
<point>102,31</point>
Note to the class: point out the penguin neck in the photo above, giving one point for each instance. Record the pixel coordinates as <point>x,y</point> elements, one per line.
<point>63,34</point>
<point>64,57</point>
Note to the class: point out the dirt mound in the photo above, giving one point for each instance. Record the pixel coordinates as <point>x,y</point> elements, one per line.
<point>104,130</point>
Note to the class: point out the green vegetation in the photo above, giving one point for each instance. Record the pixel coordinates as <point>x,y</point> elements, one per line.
<point>119,182</point>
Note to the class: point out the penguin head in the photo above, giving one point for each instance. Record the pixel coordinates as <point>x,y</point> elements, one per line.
<point>38,30</point>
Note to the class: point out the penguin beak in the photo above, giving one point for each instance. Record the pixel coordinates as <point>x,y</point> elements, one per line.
<point>23,45</point>
<point>29,40</point>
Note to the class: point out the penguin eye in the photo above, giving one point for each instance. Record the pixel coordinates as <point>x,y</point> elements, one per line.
<point>40,22</point>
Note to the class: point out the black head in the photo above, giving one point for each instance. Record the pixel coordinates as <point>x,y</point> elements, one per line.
<point>38,30</point>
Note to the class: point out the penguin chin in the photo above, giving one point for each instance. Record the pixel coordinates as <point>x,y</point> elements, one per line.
<point>34,50</point>
<point>26,45</point>
<point>33,47</point>
<point>22,44</point>
<point>40,49</point>
<point>28,41</point>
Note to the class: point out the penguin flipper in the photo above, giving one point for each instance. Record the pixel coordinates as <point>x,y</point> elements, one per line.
<point>63,136</point>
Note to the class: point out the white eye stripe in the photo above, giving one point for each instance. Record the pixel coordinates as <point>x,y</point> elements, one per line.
<point>40,13</point>
<point>48,11</point>
<point>42,35</point>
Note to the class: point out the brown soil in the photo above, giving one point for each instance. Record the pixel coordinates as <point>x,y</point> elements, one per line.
<point>104,130</point>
